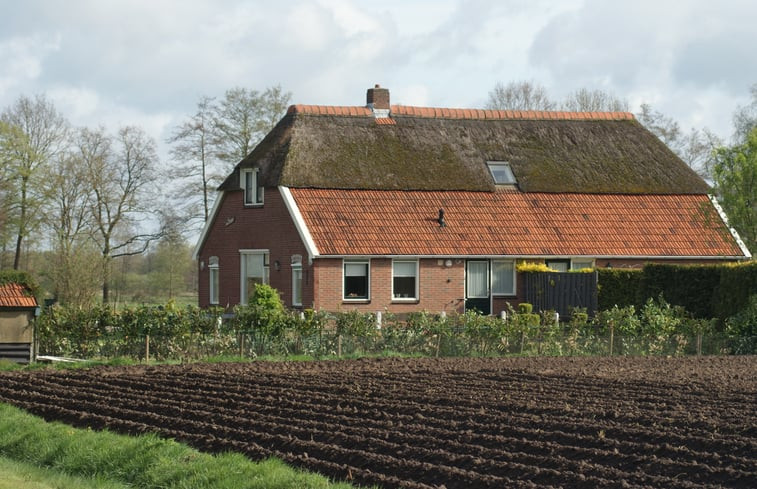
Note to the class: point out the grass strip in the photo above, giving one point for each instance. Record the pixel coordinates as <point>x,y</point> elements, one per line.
<point>19,475</point>
<point>145,461</point>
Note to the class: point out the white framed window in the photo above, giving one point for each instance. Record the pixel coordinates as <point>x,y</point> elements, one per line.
<point>501,173</point>
<point>296,285</point>
<point>254,270</point>
<point>559,265</point>
<point>404,280</point>
<point>503,277</point>
<point>357,279</point>
<point>213,277</point>
<point>581,263</point>
<point>253,193</point>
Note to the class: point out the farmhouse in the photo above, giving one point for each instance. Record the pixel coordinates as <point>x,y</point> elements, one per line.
<point>17,310</point>
<point>384,207</point>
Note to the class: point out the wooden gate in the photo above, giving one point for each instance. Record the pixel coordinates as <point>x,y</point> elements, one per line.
<point>561,291</point>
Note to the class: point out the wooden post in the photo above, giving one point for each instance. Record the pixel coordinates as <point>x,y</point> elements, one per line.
<point>522,341</point>
<point>612,337</point>
<point>147,348</point>
<point>241,344</point>
<point>438,344</point>
<point>699,343</point>
<point>339,346</point>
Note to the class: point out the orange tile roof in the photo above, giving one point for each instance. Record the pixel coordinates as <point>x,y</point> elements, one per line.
<point>446,113</point>
<point>16,295</point>
<point>375,222</point>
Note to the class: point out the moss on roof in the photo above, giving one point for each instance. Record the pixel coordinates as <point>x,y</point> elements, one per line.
<point>423,153</point>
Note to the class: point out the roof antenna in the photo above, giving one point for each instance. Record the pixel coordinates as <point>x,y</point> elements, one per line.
<point>441,221</point>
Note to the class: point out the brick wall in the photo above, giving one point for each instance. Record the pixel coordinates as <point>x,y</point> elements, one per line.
<point>441,288</point>
<point>238,227</point>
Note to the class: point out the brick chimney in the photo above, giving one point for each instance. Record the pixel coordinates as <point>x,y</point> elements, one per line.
<point>377,99</point>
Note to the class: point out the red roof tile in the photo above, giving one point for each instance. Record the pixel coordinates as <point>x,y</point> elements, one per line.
<point>448,113</point>
<point>375,222</point>
<point>15,295</point>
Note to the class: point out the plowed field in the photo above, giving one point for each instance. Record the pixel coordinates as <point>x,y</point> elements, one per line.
<point>454,423</point>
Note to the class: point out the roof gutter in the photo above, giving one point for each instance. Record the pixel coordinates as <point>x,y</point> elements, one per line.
<point>541,257</point>
<point>299,223</point>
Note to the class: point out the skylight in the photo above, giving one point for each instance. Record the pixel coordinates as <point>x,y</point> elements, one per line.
<point>501,173</point>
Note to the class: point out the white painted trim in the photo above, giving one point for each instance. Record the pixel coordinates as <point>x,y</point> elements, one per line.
<point>299,222</point>
<point>734,233</point>
<point>541,257</point>
<point>208,224</point>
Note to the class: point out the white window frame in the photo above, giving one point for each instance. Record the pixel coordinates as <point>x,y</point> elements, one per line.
<point>417,280</point>
<point>365,261</point>
<point>497,166</point>
<point>297,285</point>
<point>584,261</point>
<point>501,293</point>
<point>253,193</point>
<point>243,292</point>
<point>214,280</point>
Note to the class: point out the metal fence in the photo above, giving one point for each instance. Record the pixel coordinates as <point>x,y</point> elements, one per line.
<point>393,341</point>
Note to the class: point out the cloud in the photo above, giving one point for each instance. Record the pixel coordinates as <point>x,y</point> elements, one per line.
<point>21,60</point>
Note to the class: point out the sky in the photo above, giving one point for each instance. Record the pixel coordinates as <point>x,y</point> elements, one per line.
<point>147,62</point>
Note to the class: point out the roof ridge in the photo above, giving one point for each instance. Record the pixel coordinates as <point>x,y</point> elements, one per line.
<point>450,113</point>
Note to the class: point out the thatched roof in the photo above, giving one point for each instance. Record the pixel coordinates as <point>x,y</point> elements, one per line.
<point>447,149</point>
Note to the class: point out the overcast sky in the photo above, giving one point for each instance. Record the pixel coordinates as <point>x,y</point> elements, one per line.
<point>146,62</point>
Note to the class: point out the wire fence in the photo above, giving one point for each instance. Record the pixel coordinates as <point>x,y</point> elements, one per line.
<point>328,343</point>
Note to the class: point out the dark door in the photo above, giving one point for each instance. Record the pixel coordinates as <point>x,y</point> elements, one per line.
<point>477,290</point>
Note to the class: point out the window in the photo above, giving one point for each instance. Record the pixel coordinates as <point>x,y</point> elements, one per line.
<point>502,173</point>
<point>296,285</point>
<point>579,264</point>
<point>356,280</point>
<point>503,277</point>
<point>213,278</point>
<point>254,271</point>
<point>405,279</point>
<point>559,265</point>
<point>253,194</point>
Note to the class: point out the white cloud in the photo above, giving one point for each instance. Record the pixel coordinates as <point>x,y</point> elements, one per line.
<point>21,60</point>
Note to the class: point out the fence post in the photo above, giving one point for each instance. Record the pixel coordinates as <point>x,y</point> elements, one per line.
<point>339,346</point>
<point>147,348</point>
<point>699,343</point>
<point>438,344</point>
<point>241,344</point>
<point>612,336</point>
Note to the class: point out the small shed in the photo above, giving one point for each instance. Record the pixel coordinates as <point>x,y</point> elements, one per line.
<point>18,307</point>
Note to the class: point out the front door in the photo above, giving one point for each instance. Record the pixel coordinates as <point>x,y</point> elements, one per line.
<point>477,293</point>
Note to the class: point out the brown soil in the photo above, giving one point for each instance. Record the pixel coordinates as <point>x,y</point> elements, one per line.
<point>453,423</point>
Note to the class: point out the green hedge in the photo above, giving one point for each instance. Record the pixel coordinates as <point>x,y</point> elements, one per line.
<point>706,291</point>
<point>618,287</point>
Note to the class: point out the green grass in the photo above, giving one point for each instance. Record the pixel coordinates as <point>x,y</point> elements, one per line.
<point>146,461</point>
<point>18,475</point>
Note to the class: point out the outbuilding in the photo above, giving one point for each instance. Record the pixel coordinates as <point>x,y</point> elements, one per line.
<point>18,307</point>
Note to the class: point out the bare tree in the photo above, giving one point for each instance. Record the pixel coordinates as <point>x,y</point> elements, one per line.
<point>121,173</point>
<point>39,134</point>
<point>585,100</point>
<point>196,164</point>
<point>520,95</point>
<point>243,117</point>
<point>745,118</point>
<point>694,148</point>
<point>66,214</point>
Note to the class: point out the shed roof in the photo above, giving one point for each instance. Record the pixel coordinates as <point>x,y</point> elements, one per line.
<point>13,295</point>
<point>370,222</point>
<point>426,148</point>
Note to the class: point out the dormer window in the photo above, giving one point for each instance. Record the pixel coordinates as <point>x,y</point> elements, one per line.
<point>253,193</point>
<point>501,173</point>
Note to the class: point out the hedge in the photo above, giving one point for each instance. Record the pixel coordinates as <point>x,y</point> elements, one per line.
<point>706,291</point>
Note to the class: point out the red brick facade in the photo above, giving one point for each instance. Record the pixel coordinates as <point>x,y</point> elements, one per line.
<point>235,227</point>
<point>267,227</point>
